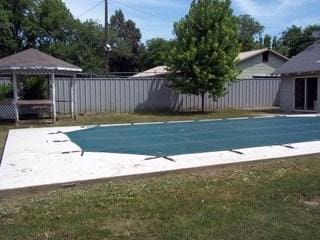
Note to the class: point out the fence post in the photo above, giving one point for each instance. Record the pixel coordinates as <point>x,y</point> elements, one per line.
<point>73,97</point>
<point>15,96</point>
<point>53,95</point>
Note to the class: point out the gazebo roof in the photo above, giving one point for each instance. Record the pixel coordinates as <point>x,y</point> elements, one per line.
<point>34,60</point>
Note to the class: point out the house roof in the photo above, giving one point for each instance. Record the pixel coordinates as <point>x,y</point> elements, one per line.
<point>249,54</point>
<point>307,61</point>
<point>32,59</point>
<point>156,71</point>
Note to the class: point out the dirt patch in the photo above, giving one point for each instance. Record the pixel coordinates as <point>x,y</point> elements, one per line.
<point>312,202</point>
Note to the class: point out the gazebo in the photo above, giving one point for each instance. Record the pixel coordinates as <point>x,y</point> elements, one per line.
<point>34,62</point>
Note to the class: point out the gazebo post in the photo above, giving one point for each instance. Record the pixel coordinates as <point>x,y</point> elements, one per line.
<point>15,97</point>
<point>53,97</point>
<point>73,97</point>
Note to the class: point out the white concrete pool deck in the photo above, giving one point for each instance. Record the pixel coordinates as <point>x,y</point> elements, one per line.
<point>44,156</point>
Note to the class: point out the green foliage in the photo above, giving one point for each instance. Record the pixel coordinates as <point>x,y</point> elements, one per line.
<point>125,40</point>
<point>6,91</point>
<point>55,22</point>
<point>204,56</point>
<point>267,41</point>
<point>157,51</point>
<point>295,39</point>
<point>49,26</point>
<point>250,33</point>
<point>17,20</point>
<point>34,87</point>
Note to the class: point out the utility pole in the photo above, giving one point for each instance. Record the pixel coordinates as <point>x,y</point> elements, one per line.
<point>107,46</point>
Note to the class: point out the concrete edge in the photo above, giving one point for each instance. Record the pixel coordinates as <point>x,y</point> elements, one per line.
<point>10,193</point>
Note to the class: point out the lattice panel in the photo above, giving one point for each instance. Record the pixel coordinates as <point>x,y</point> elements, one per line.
<point>7,111</point>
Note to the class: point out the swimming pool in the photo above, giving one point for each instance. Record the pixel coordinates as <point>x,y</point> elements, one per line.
<point>176,138</point>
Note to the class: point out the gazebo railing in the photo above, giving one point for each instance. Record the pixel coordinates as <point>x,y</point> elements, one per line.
<point>39,108</point>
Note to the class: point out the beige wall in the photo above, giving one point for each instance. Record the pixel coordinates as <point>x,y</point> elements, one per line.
<point>287,94</point>
<point>255,67</point>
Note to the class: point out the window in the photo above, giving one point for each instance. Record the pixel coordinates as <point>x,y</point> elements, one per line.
<point>265,57</point>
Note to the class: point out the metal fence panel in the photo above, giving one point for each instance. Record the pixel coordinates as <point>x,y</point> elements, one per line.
<point>153,94</point>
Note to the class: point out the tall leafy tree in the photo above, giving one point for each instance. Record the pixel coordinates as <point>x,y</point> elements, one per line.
<point>49,26</point>
<point>56,23</point>
<point>267,41</point>
<point>86,49</point>
<point>128,47</point>
<point>203,58</point>
<point>276,44</point>
<point>18,25</point>
<point>295,39</point>
<point>157,51</point>
<point>250,32</point>
<point>308,37</point>
<point>292,39</point>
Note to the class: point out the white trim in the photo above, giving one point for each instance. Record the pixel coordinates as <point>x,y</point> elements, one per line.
<point>239,118</point>
<point>43,68</point>
<point>185,121</point>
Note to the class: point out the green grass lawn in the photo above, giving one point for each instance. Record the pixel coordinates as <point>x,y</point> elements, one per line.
<point>270,200</point>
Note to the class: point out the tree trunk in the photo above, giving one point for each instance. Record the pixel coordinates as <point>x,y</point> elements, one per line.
<point>202,102</point>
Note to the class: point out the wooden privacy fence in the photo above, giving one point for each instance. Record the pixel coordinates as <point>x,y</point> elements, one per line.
<point>152,94</point>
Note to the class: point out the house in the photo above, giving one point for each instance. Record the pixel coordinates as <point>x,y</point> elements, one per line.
<point>259,63</point>
<point>300,86</point>
<point>252,64</point>
<point>153,72</point>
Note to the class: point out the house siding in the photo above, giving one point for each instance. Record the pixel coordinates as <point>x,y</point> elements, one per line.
<point>256,67</point>
<point>286,94</point>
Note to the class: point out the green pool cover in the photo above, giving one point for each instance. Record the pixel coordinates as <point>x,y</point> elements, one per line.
<point>170,139</point>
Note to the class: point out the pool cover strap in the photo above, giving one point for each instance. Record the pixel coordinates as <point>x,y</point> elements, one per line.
<point>156,157</point>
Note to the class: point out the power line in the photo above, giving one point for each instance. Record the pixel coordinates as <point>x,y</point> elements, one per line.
<point>90,9</point>
<point>137,10</point>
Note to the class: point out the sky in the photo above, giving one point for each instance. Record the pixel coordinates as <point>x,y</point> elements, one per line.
<point>155,18</point>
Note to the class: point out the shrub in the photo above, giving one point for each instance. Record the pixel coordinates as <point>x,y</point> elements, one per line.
<point>34,87</point>
<point>6,91</point>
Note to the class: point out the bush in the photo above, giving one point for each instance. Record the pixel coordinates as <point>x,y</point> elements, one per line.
<point>34,87</point>
<point>6,91</point>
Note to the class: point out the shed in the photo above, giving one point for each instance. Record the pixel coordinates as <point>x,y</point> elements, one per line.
<point>300,81</point>
<point>34,62</point>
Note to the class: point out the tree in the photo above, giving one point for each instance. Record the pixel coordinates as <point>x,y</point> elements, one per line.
<point>86,49</point>
<point>49,26</point>
<point>203,58</point>
<point>267,41</point>
<point>56,24</point>
<point>250,32</point>
<point>292,40</point>
<point>157,51</point>
<point>127,47</point>
<point>276,44</point>
<point>295,39</point>
<point>17,18</point>
<point>308,37</point>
